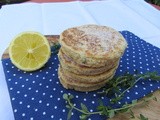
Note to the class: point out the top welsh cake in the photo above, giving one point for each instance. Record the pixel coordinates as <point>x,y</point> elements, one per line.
<point>93,45</point>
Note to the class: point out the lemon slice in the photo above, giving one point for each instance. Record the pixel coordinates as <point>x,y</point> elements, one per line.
<point>29,51</point>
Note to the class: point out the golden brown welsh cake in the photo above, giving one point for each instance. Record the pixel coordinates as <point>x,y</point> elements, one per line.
<point>70,83</point>
<point>88,79</point>
<point>93,45</point>
<point>69,64</point>
<point>89,56</point>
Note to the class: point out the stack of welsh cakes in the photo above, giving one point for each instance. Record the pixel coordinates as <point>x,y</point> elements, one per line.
<point>89,56</point>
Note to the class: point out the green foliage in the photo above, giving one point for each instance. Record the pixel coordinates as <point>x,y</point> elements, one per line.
<point>126,81</point>
<point>156,2</point>
<point>142,117</point>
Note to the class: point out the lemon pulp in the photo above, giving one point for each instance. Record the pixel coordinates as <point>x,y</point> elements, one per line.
<point>29,51</point>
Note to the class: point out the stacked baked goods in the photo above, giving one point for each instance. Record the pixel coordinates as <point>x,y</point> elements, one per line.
<point>89,56</point>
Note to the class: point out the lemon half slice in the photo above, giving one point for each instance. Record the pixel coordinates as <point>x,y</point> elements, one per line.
<point>29,51</point>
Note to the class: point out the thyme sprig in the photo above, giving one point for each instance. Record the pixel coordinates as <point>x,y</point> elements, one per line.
<point>108,111</point>
<point>125,82</point>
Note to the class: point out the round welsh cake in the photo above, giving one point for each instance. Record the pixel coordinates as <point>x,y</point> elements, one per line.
<point>93,45</point>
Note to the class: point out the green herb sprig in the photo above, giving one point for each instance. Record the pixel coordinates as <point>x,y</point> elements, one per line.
<point>125,82</point>
<point>108,111</point>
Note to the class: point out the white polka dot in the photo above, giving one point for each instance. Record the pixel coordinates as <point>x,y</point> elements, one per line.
<point>52,116</point>
<point>47,86</point>
<point>61,91</point>
<point>40,84</point>
<point>12,66</point>
<point>55,107</point>
<point>128,91</point>
<point>46,72</point>
<point>15,110</point>
<point>43,78</point>
<point>36,110</point>
<point>16,83</point>
<point>18,92</point>
<point>33,81</point>
<point>119,102</point>
<point>63,110</point>
<point>9,79</point>
<point>23,114</point>
<point>27,79</point>
<point>85,99</point>
<point>50,67</point>
<point>25,95</point>
<point>40,101</point>
<point>11,88</point>
<point>30,74</point>
<point>143,83</point>
<point>58,99</point>
<point>50,80</point>
<point>54,89</point>
<point>14,74</point>
<point>44,113</point>
<point>102,97</point>
<point>144,88</point>
<point>20,77</point>
<point>22,86</point>
<point>32,98</point>
<point>31,118</point>
<point>47,104</point>
<point>151,84</point>
<point>136,86</point>
<point>53,74</point>
<point>128,97</point>
<point>91,110</point>
<point>13,98</point>
<point>8,71</point>
<point>20,102</point>
<point>94,95</point>
<point>136,93</point>
<point>36,91</point>
<point>51,96</point>
<point>77,96</point>
<point>55,69</point>
<point>28,106</point>
<point>93,102</point>
<point>89,118</point>
<point>60,118</point>
<point>37,75</point>
<point>29,88</point>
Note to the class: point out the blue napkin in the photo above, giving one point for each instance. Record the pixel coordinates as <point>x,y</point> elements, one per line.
<point>38,95</point>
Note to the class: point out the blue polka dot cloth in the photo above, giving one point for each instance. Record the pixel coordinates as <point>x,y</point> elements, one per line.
<point>38,95</point>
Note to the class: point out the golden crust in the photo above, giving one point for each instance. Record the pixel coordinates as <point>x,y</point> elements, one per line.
<point>80,86</point>
<point>93,45</point>
<point>86,79</point>
<point>69,64</point>
<point>77,88</point>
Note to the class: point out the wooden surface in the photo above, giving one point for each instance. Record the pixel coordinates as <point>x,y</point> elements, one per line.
<point>152,111</point>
